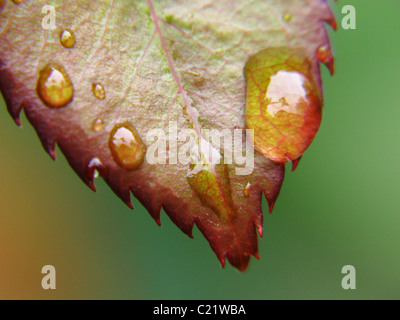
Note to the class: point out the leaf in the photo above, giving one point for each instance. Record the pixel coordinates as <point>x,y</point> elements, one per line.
<point>112,73</point>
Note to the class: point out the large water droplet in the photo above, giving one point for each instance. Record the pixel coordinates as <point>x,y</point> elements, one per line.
<point>283,103</point>
<point>54,86</point>
<point>67,38</point>
<point>126,146</point>
<point>98,125</point>
<point>212,186</point>
<point>98,91</point>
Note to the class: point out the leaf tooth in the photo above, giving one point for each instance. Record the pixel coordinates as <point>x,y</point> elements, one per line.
<point>180,216</point>
<point>259,226</point>
<point>8,88</point>
<point>49,147</point>
<point>331,20</point>
<point>222,260</point>
<point>123,193</point>
<point>15,113</point>
<point>295,163</point>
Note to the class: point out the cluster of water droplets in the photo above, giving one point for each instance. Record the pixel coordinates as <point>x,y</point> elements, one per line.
<point>55,89</point>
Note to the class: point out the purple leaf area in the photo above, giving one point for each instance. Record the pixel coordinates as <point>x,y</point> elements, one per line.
<point>112,73</point>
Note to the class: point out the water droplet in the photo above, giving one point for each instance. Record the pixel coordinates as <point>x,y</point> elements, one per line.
<point>98,91</point>
<point>287,17</point>
<point>54,86</point>
<point>283,102</point>
<point>93,170</point>
<point>212,186</point>
<point>126,146</point>
<point>67,38</point>
<point>193,73</point>
<point>324,54</point>
<point>18,1</point>
<point>246,190</point>
<point>98,125</point>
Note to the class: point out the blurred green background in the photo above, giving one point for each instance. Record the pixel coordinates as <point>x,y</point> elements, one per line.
<point>341,206</point>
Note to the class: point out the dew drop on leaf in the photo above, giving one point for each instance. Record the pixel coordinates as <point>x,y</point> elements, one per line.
<point>127,148</point>
<point>67,38</point>
<point>98,91</point>
<point>54,86</point>
<point>324,55</point>
<point>212,186</point>
<point>98,125</point>
<point>287,17</point>
<point>246,190</point>
<point>283,103</point>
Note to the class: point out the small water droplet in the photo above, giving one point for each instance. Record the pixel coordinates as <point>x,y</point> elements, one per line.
<point>98,91</point>
<point>54,86</point>
<point>94,169</point>
<point>246,190</point>
<point>287,17</point>
<point>18,1</point>
<point>193,73</point>
<point>98,125</point>
<point>126,146</point>
<point>218,51</point>
<point>67,38</point>
<point>324,54</point>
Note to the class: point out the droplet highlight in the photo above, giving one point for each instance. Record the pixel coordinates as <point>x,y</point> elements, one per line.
<point>287,17</point>
<point>127,148</point>
<point>67,38</point>
<point>283,103</point>
<point>98,91</point>
<point>93,170</point>
<point>54,86</point>
<point>246,190</point>
<point>98,125</point>
<point>325,55</point>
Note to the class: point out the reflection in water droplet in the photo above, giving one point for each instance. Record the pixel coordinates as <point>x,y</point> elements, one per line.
<point>287,17</point>
<point>54,86</point>
<point>285,92</point>
<point>126,146</point>
<point>246,190</point>
<point>98,125</point>
<point>67,38</point>
<point>283,102</point>
<point>212,186</point>
<point>98,91</point>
